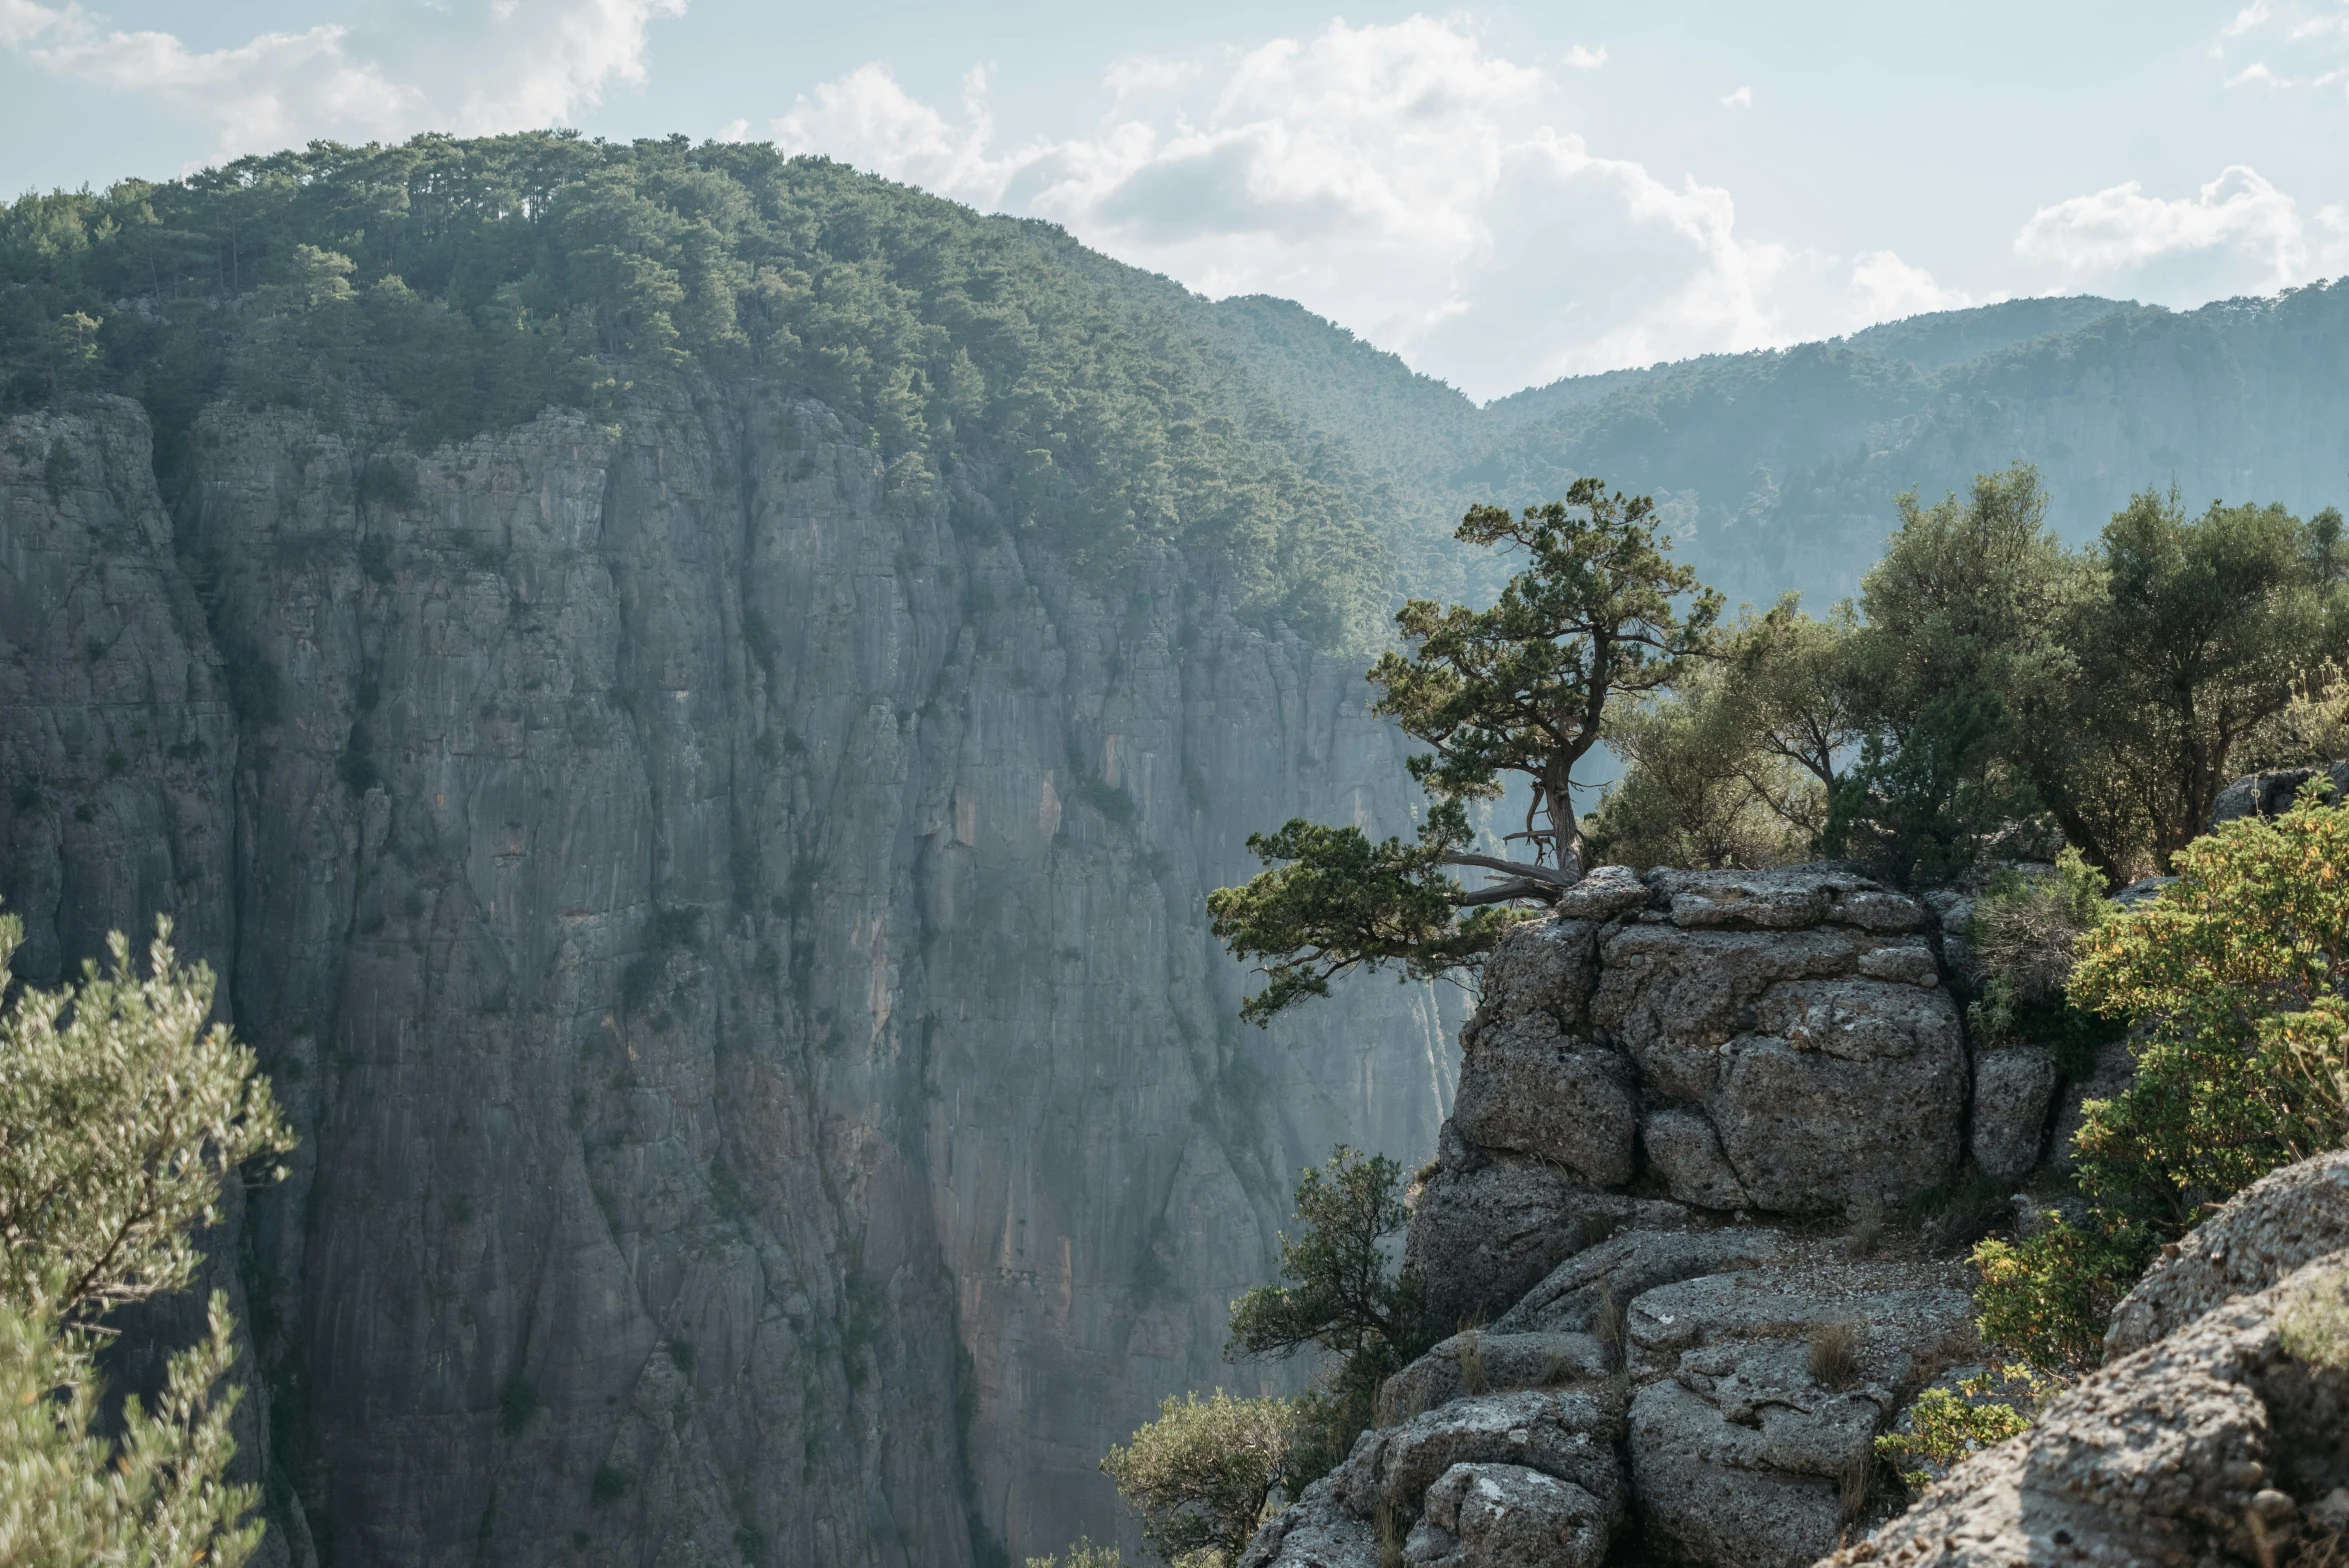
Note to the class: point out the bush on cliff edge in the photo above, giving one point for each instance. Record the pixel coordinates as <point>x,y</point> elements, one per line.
<point>2230,983</point>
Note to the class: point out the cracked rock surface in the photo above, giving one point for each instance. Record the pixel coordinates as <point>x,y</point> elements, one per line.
<point>1700,1043</point>
<point>724,927</point>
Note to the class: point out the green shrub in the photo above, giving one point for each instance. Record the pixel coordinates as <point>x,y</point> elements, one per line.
<point>2048,1297</point>
<point>1946,1425</point>
<point>1202,1473</point>
<point>1342,1294</point>
<point>1082,1555</point>
<point>2230,973</point>
<point>2242,1055</point>
<point>2025,935</point>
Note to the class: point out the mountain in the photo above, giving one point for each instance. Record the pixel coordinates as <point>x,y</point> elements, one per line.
<point>1777,470</point>
<point>693,700</point>
<point>695,726</point>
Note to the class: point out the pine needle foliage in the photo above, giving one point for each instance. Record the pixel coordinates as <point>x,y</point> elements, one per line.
<point>121,1112</point>
<point>442,287</point>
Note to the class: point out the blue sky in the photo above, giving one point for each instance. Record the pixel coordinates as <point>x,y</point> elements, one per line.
<point>1503,194</point>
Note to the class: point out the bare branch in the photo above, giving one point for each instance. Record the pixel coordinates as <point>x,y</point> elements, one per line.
<point>1515,868</point>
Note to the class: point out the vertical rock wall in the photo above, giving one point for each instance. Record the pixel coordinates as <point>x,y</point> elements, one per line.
<point>728,928</point>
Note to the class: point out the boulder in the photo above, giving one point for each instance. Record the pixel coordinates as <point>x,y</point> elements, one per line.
<point>1787,899</point>
<point>1528,1088</point>
<point>1568,1434</point>
<point>1487,1227</point>
<point>1685,1152</point>
<point>1544,966</point>
<point>2012,1090</point>
<point>2271,1228</point>
<point>1316,1531</point>
<point>2113,1070</point>
<point>1826,1055</point>
<point>2220,1443</point>
<point>1507,1516</point>
<point>1573,1297</point>
<point>1481,1361</point>
<point>1761,1394</point>
<point>1604,894</point>
<point>2270,794</point>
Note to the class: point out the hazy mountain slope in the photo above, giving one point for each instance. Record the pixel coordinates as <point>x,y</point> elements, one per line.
<point>1779,469</point>
<point>1949,337</point>
<point>715,870</point>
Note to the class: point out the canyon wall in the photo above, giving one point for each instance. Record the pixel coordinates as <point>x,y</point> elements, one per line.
<point>725,919</point>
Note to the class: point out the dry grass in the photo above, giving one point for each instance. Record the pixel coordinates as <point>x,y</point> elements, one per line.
<point>1473,1377</point>
<point>1390,1536</point>
<point>1867,1230</point>
<point>1857,1486</point>
<point>2315,1328</point>
<point>1607,1325</point>
<point>1835,1355</point>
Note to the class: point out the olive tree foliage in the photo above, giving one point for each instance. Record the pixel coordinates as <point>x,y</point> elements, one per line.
<point>1600,614</point>
<point>2230,983</point>
<point>2113,690</point>
<point>1698,789</point>
<point>121,1113</point>
<point>1961,640</point>
<point>1202,1473</point>
<point>2195,634</point>
<point>1739,765</point>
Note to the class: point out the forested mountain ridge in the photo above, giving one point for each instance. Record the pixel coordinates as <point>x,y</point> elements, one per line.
<point>1777,469</point>
<point>471,284</point>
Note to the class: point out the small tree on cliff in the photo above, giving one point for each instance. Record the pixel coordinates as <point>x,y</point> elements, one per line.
<point>1519,688</point>
<point>120,1114</point>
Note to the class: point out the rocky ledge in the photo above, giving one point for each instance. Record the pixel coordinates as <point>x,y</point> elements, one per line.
<point>1676,1091</point>
<point>2219,1434</point>
<point>1673,1350</point>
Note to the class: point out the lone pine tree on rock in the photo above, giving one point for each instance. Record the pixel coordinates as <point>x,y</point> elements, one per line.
<point>1519,688</point>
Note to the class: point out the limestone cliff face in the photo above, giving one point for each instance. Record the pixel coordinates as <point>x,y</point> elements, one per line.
<point>728,929</point>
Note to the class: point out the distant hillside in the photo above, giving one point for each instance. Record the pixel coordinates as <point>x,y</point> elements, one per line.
<point>1778,469</point>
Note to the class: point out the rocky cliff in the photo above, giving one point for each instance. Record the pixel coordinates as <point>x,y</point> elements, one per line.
<point>2217,1431</point>
<point>1664,1212</point>
<point>727,929</point>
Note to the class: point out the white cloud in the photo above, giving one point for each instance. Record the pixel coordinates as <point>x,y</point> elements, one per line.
<point>2237,234</point>
<point>506,65</point>
<point>1743,98</point>
<point>2314,33</point>
<point>1405,180</point>
<point>1582,57</point>
<point>2248,18</point>
<point>1890,288</point>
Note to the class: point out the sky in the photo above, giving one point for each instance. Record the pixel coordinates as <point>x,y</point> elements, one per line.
<point>1502,194</point>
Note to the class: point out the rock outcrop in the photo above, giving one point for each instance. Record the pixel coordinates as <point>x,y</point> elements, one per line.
<point>725,926</point>
<point>2273,793</point>
<point>2218,1431</point>
<point>1699,1042</point>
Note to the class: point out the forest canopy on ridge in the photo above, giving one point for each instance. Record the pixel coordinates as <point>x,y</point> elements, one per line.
<point>466,285</point>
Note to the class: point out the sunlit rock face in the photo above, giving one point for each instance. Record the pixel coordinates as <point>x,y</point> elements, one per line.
<point>1692,1044</point>
<point>729,932</point>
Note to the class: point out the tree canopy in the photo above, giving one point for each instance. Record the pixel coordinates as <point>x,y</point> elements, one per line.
<point>440,287</point>
<point>121,1112</point>
<point>1992,680</point>
<point>1600,613</point>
